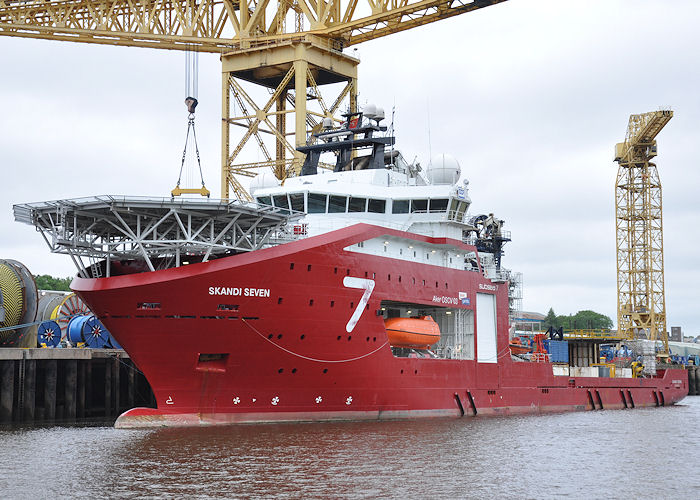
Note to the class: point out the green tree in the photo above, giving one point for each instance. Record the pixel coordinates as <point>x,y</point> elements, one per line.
<point>565,321</point>
<point>46,282</point>
<point>592,320</point>
<point>582,320</point>
<point>550,319</point>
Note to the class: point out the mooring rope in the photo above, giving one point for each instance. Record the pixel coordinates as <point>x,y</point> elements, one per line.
<point>309,358</point>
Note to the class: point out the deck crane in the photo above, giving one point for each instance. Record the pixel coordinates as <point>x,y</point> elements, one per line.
<point>290,47</point>
<point>641,305</point>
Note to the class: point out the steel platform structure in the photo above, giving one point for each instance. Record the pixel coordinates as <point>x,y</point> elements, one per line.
<point>161,232</point>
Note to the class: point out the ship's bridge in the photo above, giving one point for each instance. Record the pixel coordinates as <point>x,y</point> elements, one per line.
<point>370,182</point>
<point>385,197</point>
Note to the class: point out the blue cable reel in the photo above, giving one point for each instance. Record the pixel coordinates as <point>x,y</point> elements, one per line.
<point>95,335</point>
<point>75,329</point>
<point>49,334</point>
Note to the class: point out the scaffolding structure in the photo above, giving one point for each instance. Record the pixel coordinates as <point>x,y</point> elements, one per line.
<point>641,305</point>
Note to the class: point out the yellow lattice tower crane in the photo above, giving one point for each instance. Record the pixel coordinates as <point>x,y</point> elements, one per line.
<point>641,304</point>
<point>290,47</point>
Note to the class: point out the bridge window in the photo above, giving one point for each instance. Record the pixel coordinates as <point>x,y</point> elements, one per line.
<point>419,206</point>
<point>265,200</point>
<point>439,205</point>
<point>399,207</point>
<point>281,201</point>
<point>376,206</point>
<point>297,200</point>
<point>337,204</point>
<point>357,204</point>
<point>460,210</point>
<point>317,203</point>
<point>453,208</point>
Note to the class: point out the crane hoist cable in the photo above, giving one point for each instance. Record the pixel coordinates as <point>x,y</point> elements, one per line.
<point>191,74</point>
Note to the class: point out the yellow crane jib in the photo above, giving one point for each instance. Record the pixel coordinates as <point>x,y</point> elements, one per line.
<point>641,131</point>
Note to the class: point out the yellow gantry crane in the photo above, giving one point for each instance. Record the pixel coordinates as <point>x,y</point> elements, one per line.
<point>641,304</point>
<point>290,47</point>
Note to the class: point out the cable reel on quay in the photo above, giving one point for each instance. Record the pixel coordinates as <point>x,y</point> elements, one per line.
<point>18,304</point>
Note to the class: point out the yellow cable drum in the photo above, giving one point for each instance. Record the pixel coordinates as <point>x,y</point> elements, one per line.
<point>11,288</point>
<point>19,304</point>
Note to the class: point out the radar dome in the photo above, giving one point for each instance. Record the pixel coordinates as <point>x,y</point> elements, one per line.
<point>379,116</point>
<point>262,181</point>
<point>370,111</point>
<point>443,169</point>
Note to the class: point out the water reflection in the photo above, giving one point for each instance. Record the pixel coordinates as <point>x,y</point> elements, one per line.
<point>608,453</point>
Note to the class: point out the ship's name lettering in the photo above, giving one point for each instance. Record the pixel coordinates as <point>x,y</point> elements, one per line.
<point>493,288</point>
<point>445,300</point>
<point>238,291</point>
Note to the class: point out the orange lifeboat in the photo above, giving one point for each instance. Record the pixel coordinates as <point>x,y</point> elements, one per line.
<point>517,347</point>
<point>419,333</point>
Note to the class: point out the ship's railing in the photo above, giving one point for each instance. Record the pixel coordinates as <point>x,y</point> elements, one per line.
<point>472,238</point>
<point>441,215</point>
<point>592,334</point>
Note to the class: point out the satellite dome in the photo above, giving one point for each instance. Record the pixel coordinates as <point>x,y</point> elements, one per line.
<point>262,181</point>
<point>370,111</point>
<point>379,115</point>
<point>443,169</point>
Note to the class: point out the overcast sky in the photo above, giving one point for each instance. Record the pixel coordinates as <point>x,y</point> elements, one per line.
<point>530,95</point>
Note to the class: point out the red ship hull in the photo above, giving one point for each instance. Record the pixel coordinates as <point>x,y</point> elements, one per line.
<point>263,336</point>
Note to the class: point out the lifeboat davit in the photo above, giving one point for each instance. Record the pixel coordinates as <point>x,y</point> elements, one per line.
<point>418,333</point>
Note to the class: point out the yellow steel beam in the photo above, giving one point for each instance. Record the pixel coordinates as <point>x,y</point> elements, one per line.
<point>219,25</point>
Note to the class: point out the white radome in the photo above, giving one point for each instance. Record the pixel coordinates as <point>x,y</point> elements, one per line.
<point>370,111</point>
<point>443,169</point>
<point>263,181</point>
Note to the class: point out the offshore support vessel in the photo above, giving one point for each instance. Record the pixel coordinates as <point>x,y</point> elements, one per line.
<point>365,292</point>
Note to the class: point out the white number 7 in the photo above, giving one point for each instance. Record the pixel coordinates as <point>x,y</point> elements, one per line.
<point>362,284</point>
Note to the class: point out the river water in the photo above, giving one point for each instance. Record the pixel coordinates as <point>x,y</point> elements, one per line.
<point>613,454</point>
